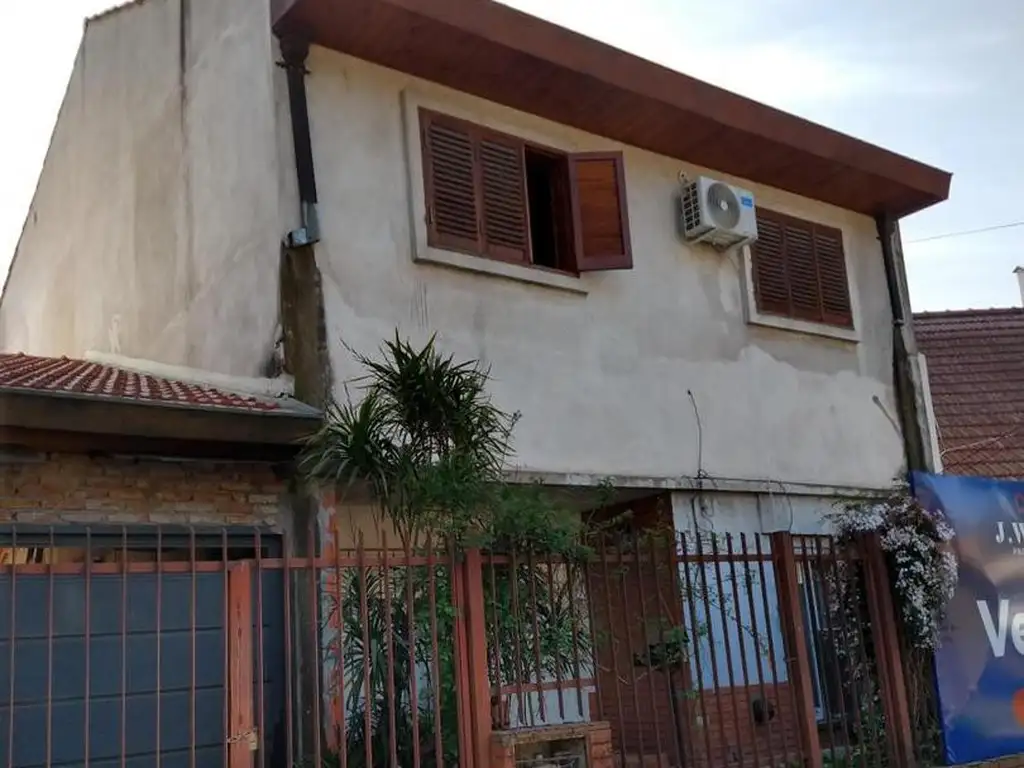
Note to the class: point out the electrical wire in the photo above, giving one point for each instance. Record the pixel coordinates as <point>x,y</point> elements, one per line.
<point>966,232</point>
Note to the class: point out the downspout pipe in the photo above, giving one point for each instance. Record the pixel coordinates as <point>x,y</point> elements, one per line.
<point>906,380</point>
<point>294,52</point>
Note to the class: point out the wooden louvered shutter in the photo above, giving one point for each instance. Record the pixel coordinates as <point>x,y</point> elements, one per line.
<point>600,216</point>
<point>449,170</point>
<point>835,286</point>
<point>799,270</point>
<point>804,291</point>
<point>503,185</point>
<point>771,283</point>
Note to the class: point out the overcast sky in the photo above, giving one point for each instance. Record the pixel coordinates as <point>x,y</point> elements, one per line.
<point>938,80</point>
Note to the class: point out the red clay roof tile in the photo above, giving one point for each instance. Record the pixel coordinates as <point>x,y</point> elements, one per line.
<point>976,371</point>
<point>65,375</point>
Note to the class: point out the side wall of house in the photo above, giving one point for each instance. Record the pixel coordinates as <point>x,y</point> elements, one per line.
<point>79,489</point>
<point>155,227</point>
<point>653,371</point>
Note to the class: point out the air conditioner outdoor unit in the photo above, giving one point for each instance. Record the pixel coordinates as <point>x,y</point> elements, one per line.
<point>717,213</point>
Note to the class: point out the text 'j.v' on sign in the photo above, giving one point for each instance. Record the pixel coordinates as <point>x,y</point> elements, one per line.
<point>980,663</point>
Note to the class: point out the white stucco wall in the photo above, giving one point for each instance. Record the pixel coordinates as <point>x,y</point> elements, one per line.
<point>154,230</point>
<point>601,378</point>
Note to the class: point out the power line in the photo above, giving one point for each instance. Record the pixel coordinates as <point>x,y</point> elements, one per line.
<point>965,232</point>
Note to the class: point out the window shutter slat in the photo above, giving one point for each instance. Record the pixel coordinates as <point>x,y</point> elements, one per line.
<point>771,286</point>
<point>503,176</point>
<point>835,287</point>
<point>451,185</point>
<point>600,215</point>
<point>804,291</point>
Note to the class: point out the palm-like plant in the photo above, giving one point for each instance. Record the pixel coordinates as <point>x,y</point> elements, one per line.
<point>431,447</point>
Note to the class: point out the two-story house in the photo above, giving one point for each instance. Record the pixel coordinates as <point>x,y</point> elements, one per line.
<point>228,178</point>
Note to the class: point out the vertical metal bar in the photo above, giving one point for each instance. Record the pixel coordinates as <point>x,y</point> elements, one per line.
<point>627,629</point>
<point>435,651</point>
<point>315,634</point>
<point>496,648</point>
<point>829,630</point>
<point>805,562</point>
<point>289,684</point>
<point>49,654</point>
<point>799,662</point>
<point>703,565</point>
<point>11,668</point>
<point>849,572</point>
<point>759,554</point>
<point>226,619</point>
<point>740,631</point>
<point>531,570</point>
<point>124,645</point>
<point>759,642</point>
<point>364,620</point>
<point>476,646</point>
<point>606,578</point>
<point>646,653</point>
<point>261,670</point>
<point>410,609</point>
<point>88,642</point>
<point>570,577</point>
<point>555,606</point>
<point>520,667</point>
<point>339,676</point>
<point>723,614</point>
<point>240,682</point>
<point>192,645</point>
<point>694,635</point>
<point>159,633</point>
<point>389,641</point>
<point>595,668</point>
<point>667,671</point>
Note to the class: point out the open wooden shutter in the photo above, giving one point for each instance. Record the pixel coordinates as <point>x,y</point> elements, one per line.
<point>597,184</point>
<point>503,181</point>
<point>450,178</point>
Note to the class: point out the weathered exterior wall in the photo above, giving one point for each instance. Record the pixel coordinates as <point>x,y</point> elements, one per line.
<point>72,488</point>
<point>155,226</point>
<point>601,378</point>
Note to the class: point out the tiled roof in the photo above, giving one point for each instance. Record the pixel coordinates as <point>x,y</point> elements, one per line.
<point>976,370</point>
<point>68,376</point>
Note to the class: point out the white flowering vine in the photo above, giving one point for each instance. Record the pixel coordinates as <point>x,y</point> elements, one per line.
<point>921,562</point>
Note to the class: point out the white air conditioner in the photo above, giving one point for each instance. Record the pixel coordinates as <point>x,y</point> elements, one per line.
<point>717,213</point>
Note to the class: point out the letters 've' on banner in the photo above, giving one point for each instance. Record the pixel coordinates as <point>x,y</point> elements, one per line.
<point>980,663</point>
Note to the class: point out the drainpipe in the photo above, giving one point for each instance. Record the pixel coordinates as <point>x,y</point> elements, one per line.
<point>906,363</point>
<point>294,52</point>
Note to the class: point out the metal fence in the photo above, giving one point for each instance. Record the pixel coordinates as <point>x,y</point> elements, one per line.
<point>699,649</point>
<point>195,647</point>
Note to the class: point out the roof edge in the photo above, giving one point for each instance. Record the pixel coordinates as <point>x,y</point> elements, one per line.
<point>283,386</point>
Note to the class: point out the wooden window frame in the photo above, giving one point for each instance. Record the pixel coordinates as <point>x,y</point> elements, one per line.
<point>580,260</point>
<point>841,324</point>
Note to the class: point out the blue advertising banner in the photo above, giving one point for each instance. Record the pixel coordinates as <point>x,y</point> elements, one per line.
<point>980,663</point>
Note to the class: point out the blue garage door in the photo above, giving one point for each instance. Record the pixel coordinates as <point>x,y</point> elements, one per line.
<point>91,683</point>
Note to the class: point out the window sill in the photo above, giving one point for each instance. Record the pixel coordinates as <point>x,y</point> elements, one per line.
<point>804,326</point>
<point>516,272</point>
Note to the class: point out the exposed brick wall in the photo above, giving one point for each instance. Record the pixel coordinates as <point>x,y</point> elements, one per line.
<point>74,488</point>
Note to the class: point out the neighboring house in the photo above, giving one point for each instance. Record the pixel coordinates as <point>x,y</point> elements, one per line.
<point>976,376</point>
<point>271,186</point>
<point>122,497</point>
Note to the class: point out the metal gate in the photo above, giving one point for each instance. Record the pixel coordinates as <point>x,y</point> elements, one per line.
<point>113,650</point>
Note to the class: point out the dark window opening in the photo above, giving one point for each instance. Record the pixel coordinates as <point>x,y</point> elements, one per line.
<point>547,182</point>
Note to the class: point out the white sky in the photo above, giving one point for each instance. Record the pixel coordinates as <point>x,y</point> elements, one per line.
<point>939,80</point>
